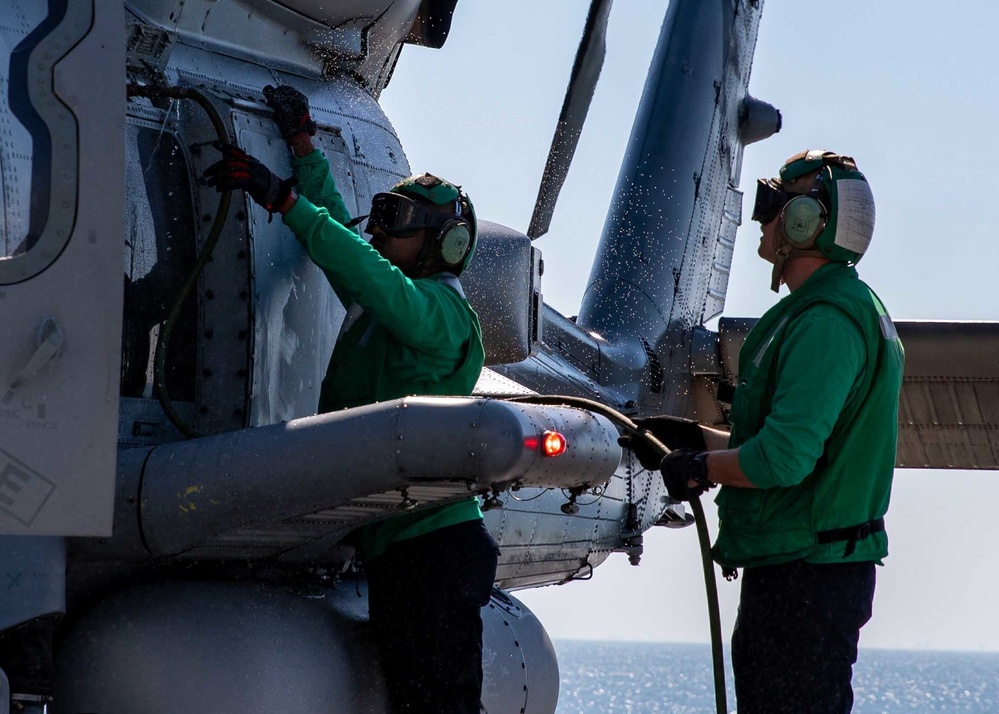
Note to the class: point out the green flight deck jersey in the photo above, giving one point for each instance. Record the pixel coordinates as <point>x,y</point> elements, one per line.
<point>406,337</point>
<point>815,419</point>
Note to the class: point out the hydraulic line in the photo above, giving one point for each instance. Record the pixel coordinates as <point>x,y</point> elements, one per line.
<point>221,213</point>
<point>703,537</point>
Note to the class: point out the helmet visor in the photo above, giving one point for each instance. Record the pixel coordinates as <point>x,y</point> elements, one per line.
<point>399,216</point>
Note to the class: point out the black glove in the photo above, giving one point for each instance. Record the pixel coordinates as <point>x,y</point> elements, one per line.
<point>649,456</point>
<point>291,111</point>
<point>682,466</point>
<point>674,432</point>
<point>239,170</point>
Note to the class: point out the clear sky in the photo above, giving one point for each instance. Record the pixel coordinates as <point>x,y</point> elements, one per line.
<point>908,89</point>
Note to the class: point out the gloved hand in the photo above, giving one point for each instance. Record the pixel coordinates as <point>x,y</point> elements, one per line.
<point>683,466</point>
<point>291,111</point>
<point>239,170</point>
<point>649,456</point>
<point>674,432</point>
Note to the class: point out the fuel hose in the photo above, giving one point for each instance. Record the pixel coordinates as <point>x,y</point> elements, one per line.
<point>221,213</point>
<point>703,537</point>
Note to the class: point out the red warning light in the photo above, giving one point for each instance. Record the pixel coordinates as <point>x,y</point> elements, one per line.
<point>553,443</point>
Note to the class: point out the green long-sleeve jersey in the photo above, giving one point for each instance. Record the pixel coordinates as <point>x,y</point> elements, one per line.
<point>815,418</point>
<point>414,336</point>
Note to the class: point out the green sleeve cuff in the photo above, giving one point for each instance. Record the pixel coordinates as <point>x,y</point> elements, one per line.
<point>753,463</point>
<point>313,159</point>
<point>300,216</point>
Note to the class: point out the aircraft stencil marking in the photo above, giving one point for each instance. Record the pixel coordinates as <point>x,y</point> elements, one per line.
<point>23,491</point>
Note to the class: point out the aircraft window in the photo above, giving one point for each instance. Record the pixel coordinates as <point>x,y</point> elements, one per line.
<point>15,157</point>
<point>159,258</point>
<point>38,139</point>
<point>15,170</point>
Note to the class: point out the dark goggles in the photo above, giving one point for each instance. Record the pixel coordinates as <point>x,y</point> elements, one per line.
<point>770,199</point>
<point>400,216</point>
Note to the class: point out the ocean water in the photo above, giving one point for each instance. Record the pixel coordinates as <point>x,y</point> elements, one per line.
<point>661,678</point>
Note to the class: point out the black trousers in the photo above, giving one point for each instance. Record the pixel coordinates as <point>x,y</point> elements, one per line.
<point>424,598</point>
<point>796,635</point>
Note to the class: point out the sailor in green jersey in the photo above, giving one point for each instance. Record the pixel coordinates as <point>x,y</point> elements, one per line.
<point>409,330</point>
<point>807,470</point>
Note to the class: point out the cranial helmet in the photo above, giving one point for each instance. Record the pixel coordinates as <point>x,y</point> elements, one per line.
<point>454,242</point>
<point>849,226</point>
<point>832,218</point>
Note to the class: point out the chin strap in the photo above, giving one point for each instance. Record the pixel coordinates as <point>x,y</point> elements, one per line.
<point>418,270</point>
<point>785,250</point>
<point>425,263</point>
<point>779,259</point>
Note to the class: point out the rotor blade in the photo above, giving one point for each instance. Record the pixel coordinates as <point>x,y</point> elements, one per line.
<point>585,72</point>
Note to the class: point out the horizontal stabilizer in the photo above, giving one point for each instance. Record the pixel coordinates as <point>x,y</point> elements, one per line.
<point>949,408</point>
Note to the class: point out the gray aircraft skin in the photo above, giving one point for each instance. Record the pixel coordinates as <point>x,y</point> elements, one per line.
<point>170,505</point>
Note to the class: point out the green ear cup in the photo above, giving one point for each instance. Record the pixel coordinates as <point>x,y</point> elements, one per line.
<point>803,219</point>
<point>454,242</point>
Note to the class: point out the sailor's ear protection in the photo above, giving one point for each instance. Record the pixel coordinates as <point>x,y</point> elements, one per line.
<point>453,242</point>
<point>803,219</point>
